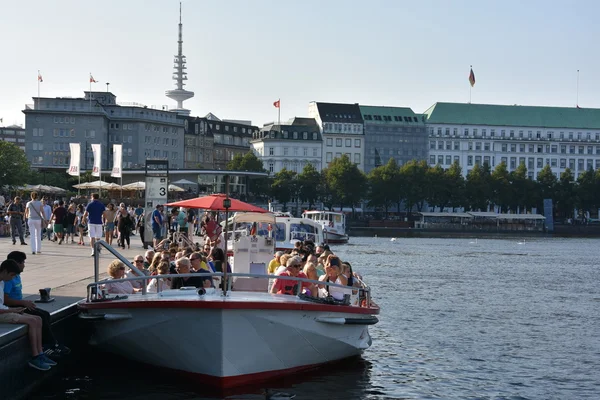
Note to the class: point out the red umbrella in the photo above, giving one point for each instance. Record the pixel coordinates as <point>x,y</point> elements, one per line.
<point>215,202</point>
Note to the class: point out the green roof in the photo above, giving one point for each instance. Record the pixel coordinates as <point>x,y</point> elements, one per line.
<point>395,115</point>
<point>518,116</point>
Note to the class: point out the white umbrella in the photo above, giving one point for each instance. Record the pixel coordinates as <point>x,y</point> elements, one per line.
<point>184,182</point>
<point>135,186</point>
<point>174,188</point>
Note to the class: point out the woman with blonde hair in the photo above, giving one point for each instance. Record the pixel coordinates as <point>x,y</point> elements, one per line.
<point>34,214</point>
<point>154,264</point>
<point>116,270</point>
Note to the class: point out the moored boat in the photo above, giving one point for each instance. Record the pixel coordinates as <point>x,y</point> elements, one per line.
<point>332,223</point>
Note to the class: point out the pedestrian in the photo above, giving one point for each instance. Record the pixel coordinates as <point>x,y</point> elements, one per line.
<point>58,216</point>
<point>47,214</point>
<point>157,223</point>
<point>94,211</point>
<point>16,213</point>
<point>35,220</point>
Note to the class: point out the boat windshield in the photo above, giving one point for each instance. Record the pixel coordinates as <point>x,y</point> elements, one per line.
<point>280,231</point>
<point>302,232</point>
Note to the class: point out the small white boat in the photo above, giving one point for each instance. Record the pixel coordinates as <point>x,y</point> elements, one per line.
<point>333,224</point>
<point>290,229</point>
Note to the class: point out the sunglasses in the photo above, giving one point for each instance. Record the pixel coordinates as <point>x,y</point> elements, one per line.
<point>139,261</point>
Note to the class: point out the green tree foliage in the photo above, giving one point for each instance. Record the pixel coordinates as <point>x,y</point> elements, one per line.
<point>14,167</point>
<point>586,195</point>
<point>411,181</point>
<point>478,189</point>
<point>246,162</point>
<point>501,189</point>
<point>309,182</point>
<point>565,194</point>
<point>383,185</point>
<point>456,184</point>
<point>547,185</point>
<point>438,188</point>
<point>284,187</point>
<point>524,192</point>
<point>346,182</point>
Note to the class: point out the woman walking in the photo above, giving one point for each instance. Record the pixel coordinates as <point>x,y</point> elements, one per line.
<point>34,213</point>
<point>70,224</point>
<point>109,223</point>
<point>80,222</point>
<point>125,226</point>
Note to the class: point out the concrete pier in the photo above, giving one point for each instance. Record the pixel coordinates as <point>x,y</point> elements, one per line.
<point>66,269</point>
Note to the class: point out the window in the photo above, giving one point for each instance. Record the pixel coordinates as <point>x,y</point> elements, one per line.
<point>522,148</point>
<point>456,145</point>
<point>470,145</point>
<point>329,142</point>
<point>466,132</point>
<point>285,151</point>
<point>563,163</point>
<point>431,159</point>
<point>483,133</point>
<point>356,142</point>
<point>455,131</point>
<point>504,147</point>
<point>440,160</point>
<point>304,135</point>
<point>441,145</point>
<point>305,151</point>
<point>328,157</point>
<point>521,134</point>
<point>448,145</point>
<point>432,145</point>
<point>513,148</point>
<point>540,162</point>
<point>315,152</point>
<point>477,160</point>
<point>492,132</point>
<point>356,158</point>
<point>295,151</point>
<point>469,160</point>
<point>447,132</point>
<point>338,142</point>
<point>448,160</point>
<point>348,142</point>
<point>271,151</point>
<point>295,135</point>
<point>513,162</point>
<point>478,146</point>
<point>590,150</point>
<point>456,159</point>
<point>475,132</point>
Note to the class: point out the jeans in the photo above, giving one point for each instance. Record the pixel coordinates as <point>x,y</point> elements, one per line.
<point>16,227</point>
<point>35,234</point>
<point>48,338</point>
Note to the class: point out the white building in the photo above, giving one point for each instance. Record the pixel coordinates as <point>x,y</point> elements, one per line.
<point>472,134</point>
<point>343,131</point>
<point>290,146</point>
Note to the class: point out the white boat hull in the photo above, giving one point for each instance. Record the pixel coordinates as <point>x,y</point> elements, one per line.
<point>230,346</point>
<point>335,237</point>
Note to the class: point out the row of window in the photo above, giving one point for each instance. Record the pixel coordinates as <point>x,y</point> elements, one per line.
<point>231,140</point>
<point>295,135</point>
<point>159,153</point>
<point>347,142</point>
<point>157,140</point>
<point>514,147</point>
<point>347,128</point>
<point>126,127</point>
<point>295,166</point>
<point>64,120</point>
<point>154,128</point>
<point>521,134</point>
<point>286,151</point>
<point>124,139</point>
<point>11,132</point>
<point>388,118</point>
<point>11,139</point>
<point>329,157</point>
<point>513,162</point>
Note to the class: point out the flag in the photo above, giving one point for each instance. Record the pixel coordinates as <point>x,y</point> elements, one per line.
<point>75,157</point>
<point>472,78</point>
<point>97,151</point>
<point>117,161</point>
<point>40,77</point>
<point>277,103</point>
<point>1,120</point>
<point>92,80</point>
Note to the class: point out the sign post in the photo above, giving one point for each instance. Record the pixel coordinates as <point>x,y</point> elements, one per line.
<point>157,189</point>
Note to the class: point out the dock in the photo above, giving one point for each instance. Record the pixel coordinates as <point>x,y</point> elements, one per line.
<point>67,269</point>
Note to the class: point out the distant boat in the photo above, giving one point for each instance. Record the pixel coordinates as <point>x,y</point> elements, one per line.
<point>523,242</point>
<point>475,242</point>
<point>392,239</point>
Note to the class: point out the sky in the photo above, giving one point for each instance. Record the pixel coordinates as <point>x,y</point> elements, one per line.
<point>243,55</point>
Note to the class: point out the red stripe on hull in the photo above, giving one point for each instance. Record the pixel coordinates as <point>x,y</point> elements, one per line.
<point>227,305</point>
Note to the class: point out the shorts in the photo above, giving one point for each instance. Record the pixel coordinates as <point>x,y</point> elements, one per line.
<point>156,232</point>
<point>10,318</point>
<point>58,228</point>
<point>69,229</point>
<point>110,226</point>
<point>95,231</point>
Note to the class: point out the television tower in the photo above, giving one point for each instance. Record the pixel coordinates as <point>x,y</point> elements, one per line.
<point>180,75</point>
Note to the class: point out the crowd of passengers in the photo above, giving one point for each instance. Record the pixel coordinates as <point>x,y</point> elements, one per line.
<point>317,263</point>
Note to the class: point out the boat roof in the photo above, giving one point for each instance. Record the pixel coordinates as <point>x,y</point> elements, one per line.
<point>253,217</point>
<point>445,214</point>
<point>322,212</point>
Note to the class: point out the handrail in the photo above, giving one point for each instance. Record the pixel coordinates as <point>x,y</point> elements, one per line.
<point>114,253</point>
<point>366,289</point>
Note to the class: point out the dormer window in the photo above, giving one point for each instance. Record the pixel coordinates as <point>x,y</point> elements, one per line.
<point>295,135</point>
<point>314,135</point>
<point>304,135</point>
<point>285,134</point>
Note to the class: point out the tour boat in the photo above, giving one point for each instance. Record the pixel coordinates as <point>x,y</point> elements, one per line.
<point>333,224</point>
<point>235,336</point>
<point>291,229</point>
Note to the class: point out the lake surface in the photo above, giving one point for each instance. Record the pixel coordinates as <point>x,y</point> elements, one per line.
<point>508,318</point>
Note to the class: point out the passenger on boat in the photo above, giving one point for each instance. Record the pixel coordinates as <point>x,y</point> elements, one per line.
<point>274,263</point>
<point>283,261</point>
<point>290,287</point>
<point>310,270</point>
<point>160,283</point>
<point>148,256</point>
<point>183,266</point>
<point>199,262</point>
<point>116,270</point>
<point>138,261</point>
<point>333,274</point>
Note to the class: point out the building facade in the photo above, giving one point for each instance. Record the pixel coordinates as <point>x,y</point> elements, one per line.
<point>393,132</point>
<point>229,139</point>
<point>199,147</point>
<point>342,129</point>
<point>53,123</point>
<point>291,146</point>
<point>473,134</point>
<point>14,134</point>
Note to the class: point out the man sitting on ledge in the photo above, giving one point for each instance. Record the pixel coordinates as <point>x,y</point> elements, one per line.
<point>13,297</point>
<point>8,270</point>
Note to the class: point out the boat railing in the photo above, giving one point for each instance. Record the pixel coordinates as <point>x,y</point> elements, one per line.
<point>94,292</point>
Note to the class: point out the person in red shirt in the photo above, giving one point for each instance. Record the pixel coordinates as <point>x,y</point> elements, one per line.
<point>288,286</point>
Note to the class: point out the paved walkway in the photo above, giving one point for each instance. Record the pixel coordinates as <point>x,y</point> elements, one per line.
<point>65,268</point>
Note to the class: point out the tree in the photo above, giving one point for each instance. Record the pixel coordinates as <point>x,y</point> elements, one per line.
<point>587,197</point>
<point>547,185</point>
<point>565,194</point>
<point>247,162</point>
<point>456,183</point>
<point>438,189</point>
<point>14,167</point>
<point>411,179</point>
<point>346,181</point>
<point>523,191</point>
<point>284,187</point>
<point>501,186</point>
<point>308,185</point>
<point>478,190</point>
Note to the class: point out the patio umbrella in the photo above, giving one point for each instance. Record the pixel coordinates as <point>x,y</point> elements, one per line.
<point>135,186</point>
<point>184,182</point>
<point>215,202</point>
<point>83,185</point>
<point>175,188</point>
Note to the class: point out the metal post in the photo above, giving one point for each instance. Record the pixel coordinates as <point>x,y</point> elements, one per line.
<point>226,203</point>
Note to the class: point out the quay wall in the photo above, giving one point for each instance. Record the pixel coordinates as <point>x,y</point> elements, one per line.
<point>17,379</point>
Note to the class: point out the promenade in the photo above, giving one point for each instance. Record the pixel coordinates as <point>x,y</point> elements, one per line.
<point>65,268</point>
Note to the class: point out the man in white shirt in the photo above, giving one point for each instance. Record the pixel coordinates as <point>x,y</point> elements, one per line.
<point>47,216</point>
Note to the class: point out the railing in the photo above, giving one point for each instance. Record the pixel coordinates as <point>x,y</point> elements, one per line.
<point>94,292</point>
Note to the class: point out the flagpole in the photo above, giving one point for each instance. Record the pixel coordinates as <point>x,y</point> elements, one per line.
<point>91,96</point>
<point>279,113</point>
<point>38,87</point>
<point>577,101</point>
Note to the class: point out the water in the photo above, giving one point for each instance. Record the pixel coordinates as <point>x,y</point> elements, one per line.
<point>493,319</point>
